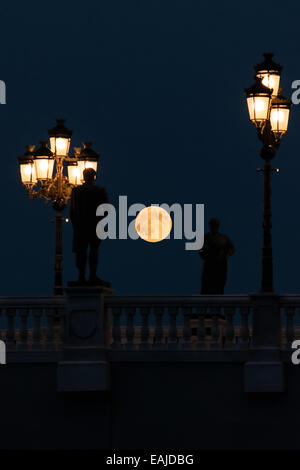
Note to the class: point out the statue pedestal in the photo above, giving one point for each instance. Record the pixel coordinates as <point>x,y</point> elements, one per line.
<point>84,366</point>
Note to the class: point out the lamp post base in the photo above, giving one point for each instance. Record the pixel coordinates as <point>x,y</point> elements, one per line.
<point>265,372</point>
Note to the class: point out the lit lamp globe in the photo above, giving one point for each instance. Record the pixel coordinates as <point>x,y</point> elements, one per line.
<point>258,100</point>
<point>73,168</point>
<point>60,138</point>
<point>44,162</point>
<point>279,115</point>
<point>270,73</point>
<point>88,158</point>
<point>27,167</point>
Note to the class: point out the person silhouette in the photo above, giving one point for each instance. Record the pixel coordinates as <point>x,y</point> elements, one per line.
<point>216,250</point>
<point>84,201</point>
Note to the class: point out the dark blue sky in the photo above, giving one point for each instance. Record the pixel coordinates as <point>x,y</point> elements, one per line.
<point>158,87</point>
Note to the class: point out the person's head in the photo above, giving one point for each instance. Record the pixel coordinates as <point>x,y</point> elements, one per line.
<point>214,225</point>
<point>89,175</point>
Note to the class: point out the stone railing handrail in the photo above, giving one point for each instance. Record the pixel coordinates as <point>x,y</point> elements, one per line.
<point>288,300</point>
<point>182,301</point>
<point>32,302</point>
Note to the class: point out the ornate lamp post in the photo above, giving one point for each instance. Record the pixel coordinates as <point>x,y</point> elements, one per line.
<point>269,111</point>
<point>42,174</point>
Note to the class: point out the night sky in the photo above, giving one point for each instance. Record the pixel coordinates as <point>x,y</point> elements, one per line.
<point>158,87</point>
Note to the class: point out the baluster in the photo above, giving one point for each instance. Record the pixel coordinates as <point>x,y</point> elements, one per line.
<point>116,329</point>
<point>107,328</point>
<point>244,335</point>
<point>11,331</point>
<point>52,318</point>
<point>172,339</point>
<point>158,343</point>
<point>289,333</point>
<point>215,331</point>
<point>130,312</point>
<point>36,337</point>
<point>187,333</point>
<point>62,325</point>
<point>145,312</point>
<point>229,329</point>
<point>23,312</point>
<point>201,311</point>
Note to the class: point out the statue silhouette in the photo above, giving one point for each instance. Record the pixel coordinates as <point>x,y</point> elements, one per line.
<point>84,201</point>
<point>216,250</point>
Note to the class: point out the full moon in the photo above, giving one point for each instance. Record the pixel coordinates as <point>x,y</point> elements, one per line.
<point>153,224</point>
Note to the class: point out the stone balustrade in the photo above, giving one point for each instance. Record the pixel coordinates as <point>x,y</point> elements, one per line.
<point>175,323</point>
<point>147,323</point>
<point>32,323</point>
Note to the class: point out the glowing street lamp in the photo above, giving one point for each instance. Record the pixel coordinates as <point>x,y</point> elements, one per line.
<point>269,111</point>
<point>88,158</point>
<point>279,115</point>
<point>270,73</point>
<point>27,167</point>
<point>44,162</point>
<point>60,138</point>
<point>258,100</point>
<point>73,168</point>
<point>42,179</point>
